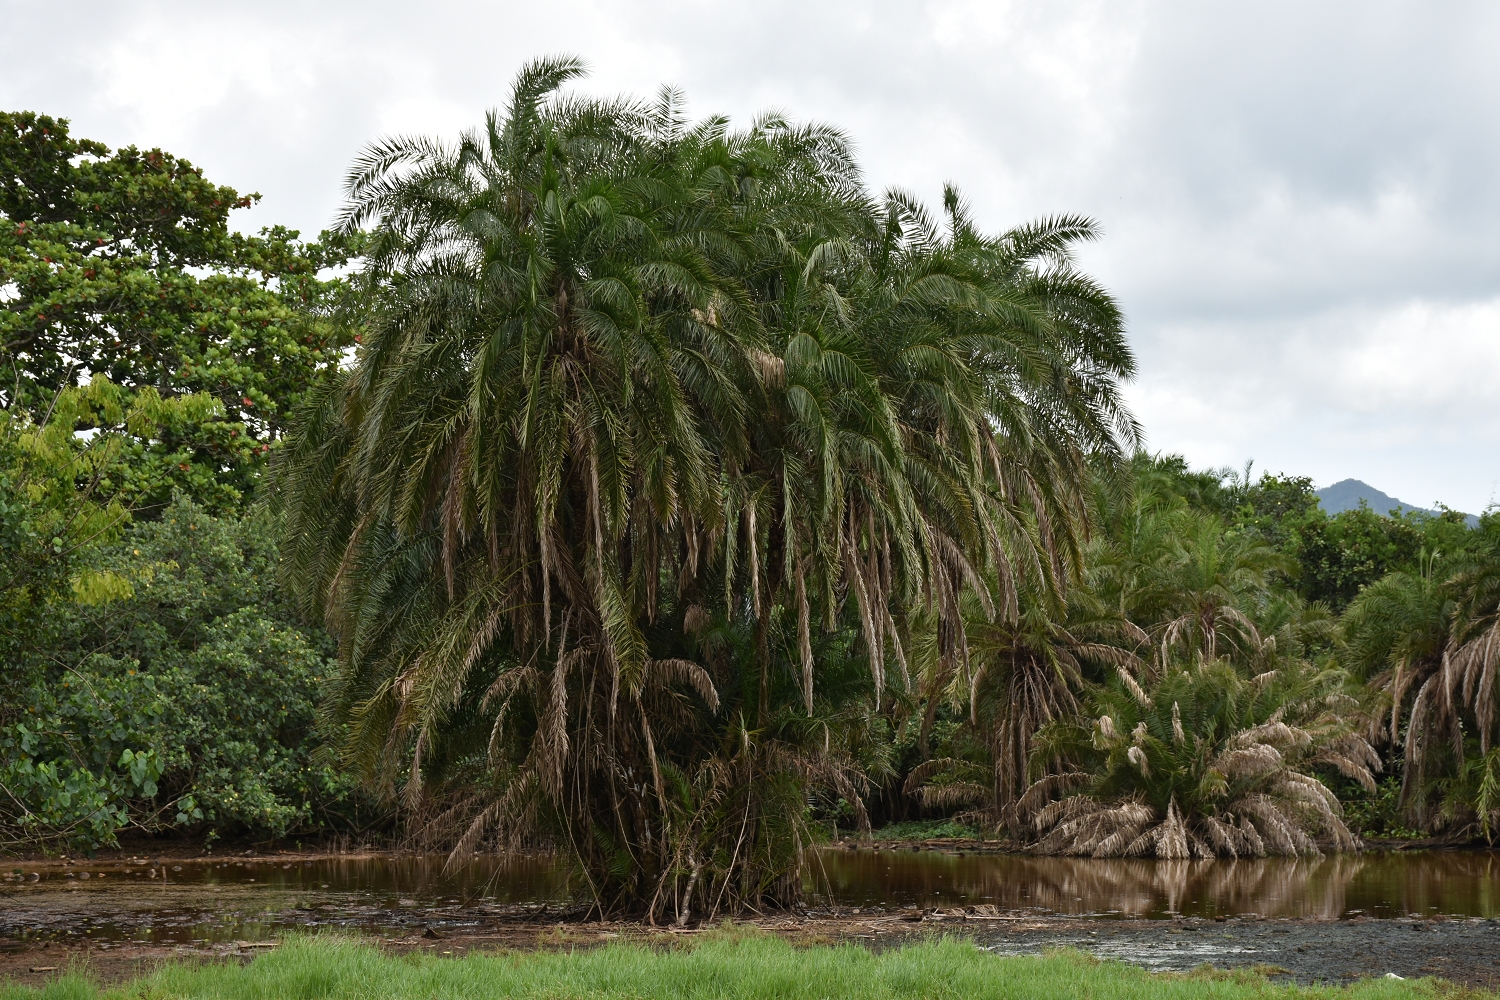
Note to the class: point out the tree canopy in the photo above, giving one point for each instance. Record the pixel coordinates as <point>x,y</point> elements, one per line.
<point>123,265</point>
<point>654,491</point>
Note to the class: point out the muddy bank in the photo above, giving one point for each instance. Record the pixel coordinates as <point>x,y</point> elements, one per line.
<point>1310,917</point>
<point>1466,952</point>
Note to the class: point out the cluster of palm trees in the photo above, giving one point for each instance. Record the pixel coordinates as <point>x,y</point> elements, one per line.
<point>676,477</point>
<point>1169,710</point>
<point>1187,703</point>
<point>669,459</point>
<point>1426,641</point>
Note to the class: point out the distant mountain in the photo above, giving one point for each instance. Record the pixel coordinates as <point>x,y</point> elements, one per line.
<point>1347,494</point>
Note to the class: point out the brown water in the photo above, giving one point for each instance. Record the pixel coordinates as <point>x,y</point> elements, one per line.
<point>252,898</point>
<point>1419,883</point>
<point>249,899</point>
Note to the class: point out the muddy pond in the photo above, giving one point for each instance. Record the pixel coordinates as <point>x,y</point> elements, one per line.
<point>253,898</point>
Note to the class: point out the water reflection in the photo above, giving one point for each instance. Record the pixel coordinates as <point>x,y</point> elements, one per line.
<point>1463,883</point>
<point>252,898</point>
<point>256,897</point>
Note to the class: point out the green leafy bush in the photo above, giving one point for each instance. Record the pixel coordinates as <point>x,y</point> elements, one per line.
<point>188,703</point>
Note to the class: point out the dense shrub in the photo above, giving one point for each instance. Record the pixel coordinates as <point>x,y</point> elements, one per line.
<point>190,703</point>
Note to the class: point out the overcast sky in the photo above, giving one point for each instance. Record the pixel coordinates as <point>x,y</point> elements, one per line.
<point>1301,201</point>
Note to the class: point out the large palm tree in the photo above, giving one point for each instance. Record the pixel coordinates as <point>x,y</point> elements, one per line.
<point>632,414</point>
<point>482,506</point>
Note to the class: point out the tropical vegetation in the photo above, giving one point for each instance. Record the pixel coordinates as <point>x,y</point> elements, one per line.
<point>651,491</point>
<point>151,677</point>
<point>661,433</point>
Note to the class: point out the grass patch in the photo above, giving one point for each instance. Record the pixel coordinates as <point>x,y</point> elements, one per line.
<point>754,967</point>
<point>928,829</point>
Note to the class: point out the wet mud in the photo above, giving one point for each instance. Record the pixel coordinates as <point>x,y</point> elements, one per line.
<point>1332,919</point>
<point>1465,952</point>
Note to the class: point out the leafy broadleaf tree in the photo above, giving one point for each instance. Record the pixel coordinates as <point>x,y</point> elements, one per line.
<point>123,265</point>
<point>147,353</point>
<point>57,509</point>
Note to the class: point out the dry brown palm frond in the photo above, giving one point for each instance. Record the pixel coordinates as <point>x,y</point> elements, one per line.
<point>772,370</point>
<point>1082,824</point>
<point>922,772</point>
<point>689,673</point>
<point>1107,731</point>
<point>1172,840</point>
<point>1044,789</point>
<point>1134,633</point>
<point>955,794</point>
<point>1065,810</point>
<point>511,813</point>
<point>1226,840</point>
<point>1248,761</point>
<point>1113,656</point>
<point>1281,833</point>
<point>1353,757</point>
<point>1475,665</point>
<point>696,620</point>
<point>1275,733</point>
<point>1133,687</point>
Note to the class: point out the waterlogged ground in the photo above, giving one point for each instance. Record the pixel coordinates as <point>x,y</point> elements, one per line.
<point>1341,917</point>
<point>217,900</point>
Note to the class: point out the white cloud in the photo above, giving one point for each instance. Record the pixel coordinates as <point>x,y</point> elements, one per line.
<point>1406,394</point>
<point>1300,200</point>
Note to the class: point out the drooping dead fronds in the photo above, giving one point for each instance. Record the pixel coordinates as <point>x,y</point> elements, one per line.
<point>1195,781</point>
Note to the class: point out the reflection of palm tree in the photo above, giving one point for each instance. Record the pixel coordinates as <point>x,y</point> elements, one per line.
<point>1313,887</point>
<point>1310,887</point>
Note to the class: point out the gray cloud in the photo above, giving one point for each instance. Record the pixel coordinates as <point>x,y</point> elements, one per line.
<point>1300,199</point>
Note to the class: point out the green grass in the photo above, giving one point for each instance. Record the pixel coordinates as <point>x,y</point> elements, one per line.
<point>721,966</point>
<point>925,829</point>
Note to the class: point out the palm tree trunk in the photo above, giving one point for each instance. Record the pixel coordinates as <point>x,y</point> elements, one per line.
<point>763,658</point>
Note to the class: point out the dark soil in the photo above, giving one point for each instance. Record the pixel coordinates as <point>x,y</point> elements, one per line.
<point>1466,952</point>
